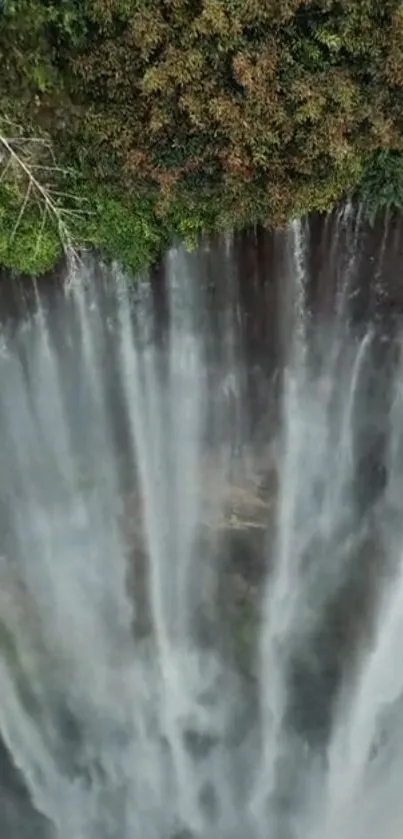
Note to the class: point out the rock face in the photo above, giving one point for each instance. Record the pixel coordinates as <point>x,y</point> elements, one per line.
<point>18,818</point>
<point>243,503</point>
<point>233,541</point>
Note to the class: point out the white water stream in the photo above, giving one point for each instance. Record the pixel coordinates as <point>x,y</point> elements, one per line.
<point>106,430</point>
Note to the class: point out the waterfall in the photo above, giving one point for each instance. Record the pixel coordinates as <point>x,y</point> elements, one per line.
<point>199,630</point>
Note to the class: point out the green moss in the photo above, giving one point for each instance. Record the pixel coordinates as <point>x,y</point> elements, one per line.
<point>245,633</point>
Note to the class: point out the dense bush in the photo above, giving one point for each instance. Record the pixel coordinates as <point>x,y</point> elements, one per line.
<point>175,116</point>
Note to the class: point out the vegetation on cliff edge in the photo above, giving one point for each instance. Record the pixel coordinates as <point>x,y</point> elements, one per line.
<point>150,119</point>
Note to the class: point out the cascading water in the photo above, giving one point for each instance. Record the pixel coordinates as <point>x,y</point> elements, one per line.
<point>146,537</point>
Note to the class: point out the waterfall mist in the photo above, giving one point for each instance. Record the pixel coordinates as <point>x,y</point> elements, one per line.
<point>201,544</point>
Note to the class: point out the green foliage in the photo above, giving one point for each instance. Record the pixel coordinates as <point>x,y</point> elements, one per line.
<point>27,246</point>
<point>127,231</point>
<point>381,188</point>
<point>178,117</point>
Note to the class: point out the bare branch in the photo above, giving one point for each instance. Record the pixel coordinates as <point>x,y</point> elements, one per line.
<point>26,162</point>
<point>69,195</point>
<point>20,139</point>
<point>64,212</point>
<point>5,170</point>
<point>52,168</point>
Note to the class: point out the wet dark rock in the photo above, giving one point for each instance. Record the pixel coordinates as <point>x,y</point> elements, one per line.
<point>18,817</point>
<point>208,801</point>
<point>199,743</point>
<point>182,833</point>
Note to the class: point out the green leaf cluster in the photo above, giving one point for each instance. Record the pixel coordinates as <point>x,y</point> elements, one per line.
<point>31,248</point>
<point>381,188</point>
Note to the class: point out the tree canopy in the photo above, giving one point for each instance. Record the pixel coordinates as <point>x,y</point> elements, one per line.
<point>170,117</point>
